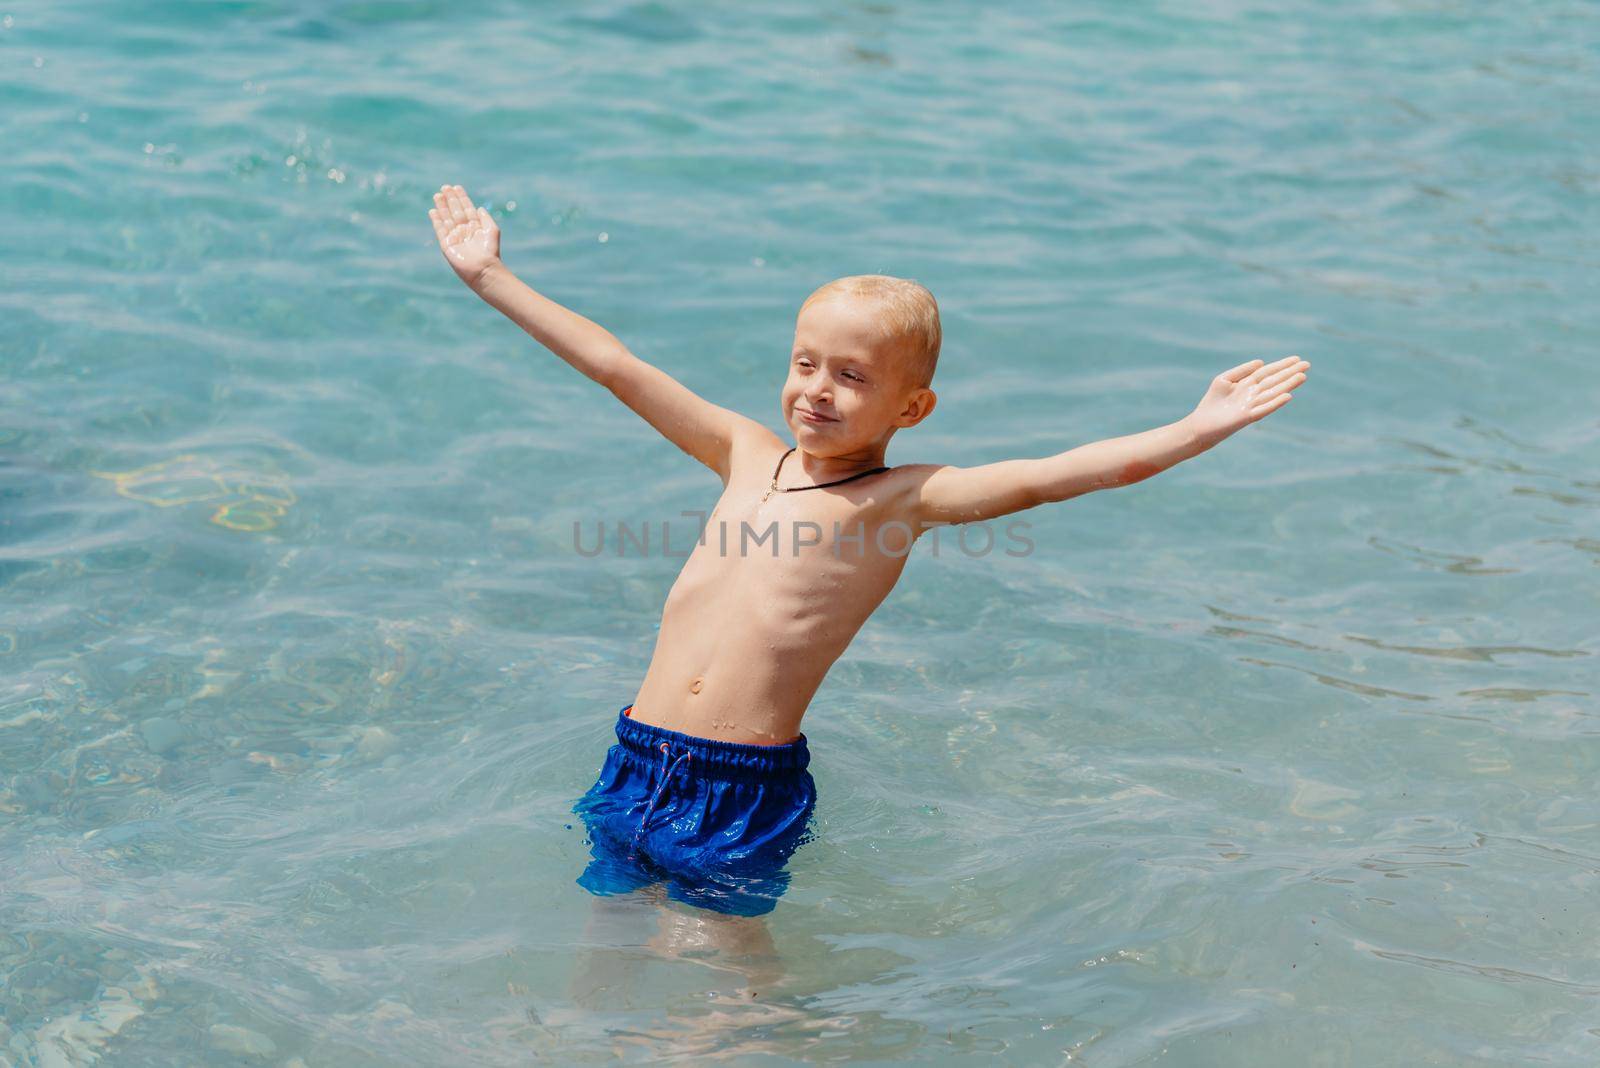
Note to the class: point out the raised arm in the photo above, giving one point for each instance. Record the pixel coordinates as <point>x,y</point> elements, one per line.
<point>470,241</point>
<point>1235,399</point>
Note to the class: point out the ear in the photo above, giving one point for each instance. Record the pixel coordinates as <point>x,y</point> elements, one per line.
<point>918,406</point>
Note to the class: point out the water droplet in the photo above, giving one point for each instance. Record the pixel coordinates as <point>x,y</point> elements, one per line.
<point>604,237</point>
<point>83,116</point>
<point>759,262</point>
<point>289,161</point>
<point>6,22</point>
<point>38,61</point>
<point>511,205</point>
<point>336,175</point>
<point>149,148</point>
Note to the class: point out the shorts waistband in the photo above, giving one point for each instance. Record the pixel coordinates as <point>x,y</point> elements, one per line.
<point>712,756</point>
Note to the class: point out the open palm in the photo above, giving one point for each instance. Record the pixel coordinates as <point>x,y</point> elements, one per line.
<point>468,237</point>
<point>1238,397</point>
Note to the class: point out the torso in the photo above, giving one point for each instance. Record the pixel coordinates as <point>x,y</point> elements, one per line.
<point>747,637</point>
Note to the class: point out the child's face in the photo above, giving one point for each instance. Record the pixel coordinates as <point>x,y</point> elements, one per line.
<point>841,369</point>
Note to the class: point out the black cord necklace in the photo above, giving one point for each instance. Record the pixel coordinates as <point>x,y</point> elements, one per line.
<point>821,485</point>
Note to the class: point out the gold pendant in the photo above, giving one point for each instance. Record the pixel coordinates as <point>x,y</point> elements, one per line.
<point>770,490</point>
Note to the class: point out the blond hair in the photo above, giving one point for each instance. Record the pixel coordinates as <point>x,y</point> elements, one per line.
<point>910,315</point>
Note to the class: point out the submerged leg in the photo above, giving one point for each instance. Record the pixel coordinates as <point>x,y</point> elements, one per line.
<point>738,948</point>
<point>605,975</point>
<point>738,945</point>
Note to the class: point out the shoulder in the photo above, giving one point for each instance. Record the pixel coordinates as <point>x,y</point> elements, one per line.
<point>752,446</point>
<point>903,489</point>
<point>915,472</point>
<point>750,432</point>
<point>910,478</point>
<point>927,495</point>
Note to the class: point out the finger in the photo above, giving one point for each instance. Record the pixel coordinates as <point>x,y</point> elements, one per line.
<point>1269,404</point>
<point>457,211</point>
<point>438,223</point>
<point>466,201</point>
<point>488,220</point>
<point>443,205</point>
<point>1270,369</point>
<point>1282,387</point>
<point>1272,380</point>
<point>452,207</point>
<point>1233,374</point>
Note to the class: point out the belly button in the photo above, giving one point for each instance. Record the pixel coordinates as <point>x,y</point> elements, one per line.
<point>694,687</point>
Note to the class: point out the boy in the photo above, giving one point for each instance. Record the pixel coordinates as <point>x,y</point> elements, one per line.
<point>707,785</point>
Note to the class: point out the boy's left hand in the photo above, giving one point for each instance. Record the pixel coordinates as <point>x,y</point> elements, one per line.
<point>1238,397</point>
<point>467,235</point>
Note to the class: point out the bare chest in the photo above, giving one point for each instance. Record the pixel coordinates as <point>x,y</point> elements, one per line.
<point>798,553</point>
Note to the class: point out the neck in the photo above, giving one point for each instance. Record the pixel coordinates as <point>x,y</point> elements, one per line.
<point>828,468</point>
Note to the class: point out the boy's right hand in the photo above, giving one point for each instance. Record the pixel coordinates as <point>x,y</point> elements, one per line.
<point>468,237</point>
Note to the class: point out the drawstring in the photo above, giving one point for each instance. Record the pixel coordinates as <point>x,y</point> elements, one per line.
<point>666,773</point>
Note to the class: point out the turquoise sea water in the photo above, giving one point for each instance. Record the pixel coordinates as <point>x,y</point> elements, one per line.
<point>1285,756</point>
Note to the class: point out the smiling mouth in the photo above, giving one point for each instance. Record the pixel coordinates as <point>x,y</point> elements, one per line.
<point>813,417</point>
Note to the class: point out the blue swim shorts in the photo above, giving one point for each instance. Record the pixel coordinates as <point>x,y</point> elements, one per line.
<point>716,820</point>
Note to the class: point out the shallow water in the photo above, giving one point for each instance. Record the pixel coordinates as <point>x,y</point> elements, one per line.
<point>1284,756</point>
